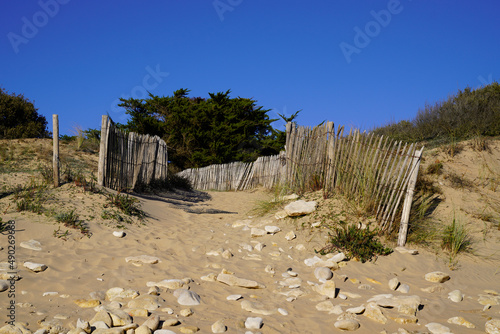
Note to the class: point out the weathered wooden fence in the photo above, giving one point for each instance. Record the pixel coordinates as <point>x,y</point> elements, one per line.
<point>129,159</point>
<point>375,171</point>
<point>265,171</point>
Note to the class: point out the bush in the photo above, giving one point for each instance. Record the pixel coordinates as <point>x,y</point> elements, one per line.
<point>456,239</point>
<point>20,118</point>
<point>355,242</point>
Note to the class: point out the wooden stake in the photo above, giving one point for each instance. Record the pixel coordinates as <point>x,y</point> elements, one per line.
<point>55,142</point>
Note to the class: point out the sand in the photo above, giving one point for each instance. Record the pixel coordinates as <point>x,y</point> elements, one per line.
<point>79,266</point>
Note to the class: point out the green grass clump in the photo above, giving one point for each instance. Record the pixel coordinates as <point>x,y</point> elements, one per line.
<point>171,182</point>
<point>456,239</point>
<point>361,244</point>
<point>71,219</point>
<point>30,197</point>
<point>127,204</point>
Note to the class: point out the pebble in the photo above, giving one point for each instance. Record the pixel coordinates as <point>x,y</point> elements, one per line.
<point>163,331</point>
<point>170,322</point>
<point>347,324</point>
<point>436,328</point>
<point>257,232</point>
<point>146,259</point>
<point>492,326</point>
<point>282,311</point>
<point>31,244</point>
<point>393,283</point>
<point>272,229</point>
<point>461,322</point>
<point>455,296</point>
<point>241,282</point>
<point>323,273</point>
<point>300,208</point>
<point>437,277</point>
<point>119,234</point>
<point>187,297</point>
<point>117,292</point>
<point>188,329</point>
<point>35,267</point>
<point>253,323</point>
<point>403,288</point>
<point>356,310</point>
<point>234,297</point>
<point>218,327</point>
<point>4,285</point>
<point>290,236</point>
<point>186,312</point>
<point>327,289</point>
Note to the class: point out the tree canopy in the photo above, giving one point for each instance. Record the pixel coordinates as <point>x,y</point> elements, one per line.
<point>19,118</point>
<point>201,131</point>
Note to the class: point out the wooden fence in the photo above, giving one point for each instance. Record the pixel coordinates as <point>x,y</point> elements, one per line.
<point>129,159</point>
<point>372,170</point>
<point>265,171</point>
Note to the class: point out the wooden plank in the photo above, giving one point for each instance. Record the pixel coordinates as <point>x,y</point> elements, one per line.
<point>403,227</point>
<point>55,146</point>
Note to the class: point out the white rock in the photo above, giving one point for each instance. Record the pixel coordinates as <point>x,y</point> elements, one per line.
<point>492,326</point>
<point>171,284</point>
<point>312,261</point>
<point>4,285</point>
<point>219,327</point>
<point>455,296</point>
<point>272,229</point>
<point>403,288</point>
<point>187,297</point>
<point>327,289</point>
<point>290,236</point>
<point>31,244</point>
<point>292,282</point>
<point>254,322</point>
<point>436,328</point>
<point>323,273</point>
<point>280,214</point>
<point>227,254</point>
<point>259,246</point>
<point>234,297</point>
<point>236,281</point>
<point>187,312</point>
<point>50,293</point>
<point>163,331</point>
<point>300,247</point>
<point>117,292</point>
<point>356,310</point>
<point>316,224</point>
<point>404,250</point>
<point>257,232</point>
<point>300,208</point>
<point>393,283</point>
<point>119,234</point>
<point>282,311</point>
<point>437,277</point>
<point>147,259</point>
<point>347,324</point>
<point>35,267</point>
<point>337,257</point>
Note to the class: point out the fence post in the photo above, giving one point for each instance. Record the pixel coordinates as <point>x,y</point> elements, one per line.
<point>55,145</point>
<point>102,151</point>
<point>403,227</point>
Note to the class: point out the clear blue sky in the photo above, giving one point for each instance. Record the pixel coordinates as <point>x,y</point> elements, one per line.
<point>357,63</point>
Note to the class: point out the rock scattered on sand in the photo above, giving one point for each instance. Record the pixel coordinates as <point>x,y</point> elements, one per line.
<point>404,250</point>
<point>492,326</point>
<point>119,234</point>
<point>461,322</point>
<point>146,259</point>
<point>300,208</point>
<point>219,327</point>
<point>87,303</point>
<point>241,282</point>
<point>272,229</point>
<point>323,273</point>
<point>35,267</point>
<point>393,283</point>
<point>31,244</point>
<point>257,232</point>
<point>254,323</point>
<point>290,236</point>
<point>436,328</point>
<point>187,297</point>
<point>120,293</point>
<point>234,297</point>
<point>437,277</point>
<point>455,296</point>
<point>347,324</point>
<point>4,285</point>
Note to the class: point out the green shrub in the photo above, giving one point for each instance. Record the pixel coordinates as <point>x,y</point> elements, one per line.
<point>30,197</point>
<point>127,204</point>
<point>456,239</point>
<point>355,242</point>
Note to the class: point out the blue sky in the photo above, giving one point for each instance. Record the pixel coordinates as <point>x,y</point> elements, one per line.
<point>356,63</point>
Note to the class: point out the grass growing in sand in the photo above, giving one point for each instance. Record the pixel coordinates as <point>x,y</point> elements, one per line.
<point>456,239</point>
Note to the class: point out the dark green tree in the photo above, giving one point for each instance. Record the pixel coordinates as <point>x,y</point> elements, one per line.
<point>201,131</point>
<point>19,118</point>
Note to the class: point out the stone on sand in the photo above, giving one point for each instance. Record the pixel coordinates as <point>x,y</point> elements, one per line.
<point>461,322</point>
<point>31,244</point>
<point>241,282</point>
<point>492,326</point>
<point>218,327</point>
<point>147,302</point>
<point>455,296</point>
<point>120,293</point>
<point>437,277</point>
<point>300,208</point>
<point>187,297</point>
<point>323,273</point>
<point>254,323</point>
<point>347,324</point>
<point>327,289</point>
<point>35,267</point>
<point>436,328</point>
<point>147,259</point>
